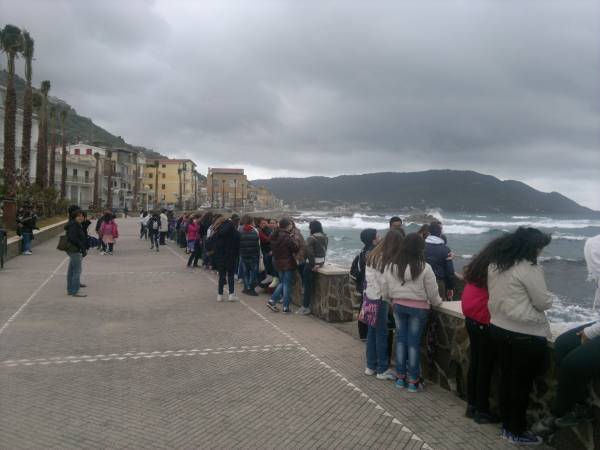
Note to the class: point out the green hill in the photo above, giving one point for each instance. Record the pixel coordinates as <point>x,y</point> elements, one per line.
<point>79,127</point>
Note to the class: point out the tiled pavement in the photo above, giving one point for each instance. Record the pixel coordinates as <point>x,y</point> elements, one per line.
<point>150,360</point>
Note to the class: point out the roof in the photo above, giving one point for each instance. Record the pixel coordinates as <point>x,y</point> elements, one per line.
<point>214,170</point>
<point>174,161</point>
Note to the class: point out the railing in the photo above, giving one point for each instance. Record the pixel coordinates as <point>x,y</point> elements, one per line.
<point>80,180</point>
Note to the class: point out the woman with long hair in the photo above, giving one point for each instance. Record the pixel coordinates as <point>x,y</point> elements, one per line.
<point>375,289</point>
<point>225,242</point>
<point>284,248</point>
<point>316,249</point>
<point>483,350</point>
<point>411,285</point>
<point>518,299</point>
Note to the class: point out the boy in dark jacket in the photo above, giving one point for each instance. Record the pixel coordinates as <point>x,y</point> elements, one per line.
<point>284,248</point>
<point>26,223</point>
<point>439,257</point>
<point>369,238</point>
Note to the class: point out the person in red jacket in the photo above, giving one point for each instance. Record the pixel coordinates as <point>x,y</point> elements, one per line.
<point>109,232</point>
<point>483,350</point>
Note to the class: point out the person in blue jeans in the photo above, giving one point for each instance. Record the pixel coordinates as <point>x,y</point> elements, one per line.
<point>76,251</point>
<point>26,223</point>
<point>284,247</point>
<point>411,285</point>
<point>377,335</point>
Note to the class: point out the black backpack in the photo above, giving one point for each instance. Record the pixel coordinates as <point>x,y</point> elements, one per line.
<point>154,224</point>
<point>357,270</point>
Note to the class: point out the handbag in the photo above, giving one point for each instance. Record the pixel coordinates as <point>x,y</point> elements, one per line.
<point>63,243</point>
<point>369,311</point>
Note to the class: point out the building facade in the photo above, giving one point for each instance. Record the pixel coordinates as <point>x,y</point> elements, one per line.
<point>173,182</point>
<point>227,188</point>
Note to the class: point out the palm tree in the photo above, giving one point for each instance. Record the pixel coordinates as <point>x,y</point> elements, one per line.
<point>27,109</point>
<point>96,202</point>
<point>63,163</point>
<point>52,166</point>
<point>11,42</point>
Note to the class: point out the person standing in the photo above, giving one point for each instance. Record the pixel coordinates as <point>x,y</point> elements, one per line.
<point>396,223</point>
<point>284,248</point>
<point>194,241</point>
<point>249,255</point>
<point>518,299</point>
<point>154,226</point>
<point>369,238</point>
<point>26,223</point>
<point>316,249</point>
<point>439,257</point>
<point>109,233</point>
<point>411,285</point>
<point>225,239</point>
<point>264,232</point>
<point>164,226</point>
<point>77,250</point>
<point>144,217</point>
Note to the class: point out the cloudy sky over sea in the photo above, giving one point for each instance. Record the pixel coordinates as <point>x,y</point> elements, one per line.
<point>322,87</point>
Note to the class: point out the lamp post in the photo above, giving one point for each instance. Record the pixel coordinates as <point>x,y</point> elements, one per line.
<point>234,193</point>
<point>156,187</point>
<point>96,200</point>
<point>223,195</point>
<point>179,201</point>
<point>109,200</point>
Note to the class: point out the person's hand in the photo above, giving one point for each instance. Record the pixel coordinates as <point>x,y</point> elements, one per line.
<point>450,294</point>
<point>450,255</point>
<point>583,337</point>
<point>315,268</point>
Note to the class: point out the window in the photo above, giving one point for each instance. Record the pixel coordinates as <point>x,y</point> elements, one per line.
<point>74,172</point>
<point>163,187</point>
<point>150,186</point>
<point>150,175</point>
<point>77,151</point>
<point>164,166</point>
<point>88,151</point>
<point>87,173</point>
<point>164,175</point>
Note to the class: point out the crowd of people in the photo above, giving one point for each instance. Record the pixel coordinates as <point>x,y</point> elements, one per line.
<point>400,277</point>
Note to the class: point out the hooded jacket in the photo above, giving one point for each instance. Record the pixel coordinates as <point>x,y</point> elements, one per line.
<point>519,298</point>
<point>227,245</point>
<point>249,244</point>
<point>284,246</point>
<point>76,237</point>
<point>316,248</point>
<point>591,252</point>
<point>436,255</point>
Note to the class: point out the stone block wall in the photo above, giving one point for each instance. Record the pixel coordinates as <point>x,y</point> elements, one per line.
<point>41,235</point>
<point>446,362</point>
<point>332,296</point>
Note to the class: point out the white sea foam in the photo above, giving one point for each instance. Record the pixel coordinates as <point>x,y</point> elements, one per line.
<point>570,315</point>
<point>541,222</point>
<point>568,237</point>
<point>464,229</point>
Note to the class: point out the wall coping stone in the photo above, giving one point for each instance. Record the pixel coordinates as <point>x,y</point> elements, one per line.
<point>36,232</point>
<point>333,269</point>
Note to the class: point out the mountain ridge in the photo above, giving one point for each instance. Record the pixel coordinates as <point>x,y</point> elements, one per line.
<point>449,190</point>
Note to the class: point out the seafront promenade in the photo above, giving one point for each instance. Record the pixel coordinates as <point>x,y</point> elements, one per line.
<point>150,360</point>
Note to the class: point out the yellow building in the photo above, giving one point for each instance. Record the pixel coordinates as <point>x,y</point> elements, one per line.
<point>174,182</point>
<point>227,188</point>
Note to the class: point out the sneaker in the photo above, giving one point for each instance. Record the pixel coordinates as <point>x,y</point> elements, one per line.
<point>471,411</point>
<point>400,383</point>
<point>272,305</point>
<point>580,414</point>
<point>28,252</point>
<point>304,311</point>
<point>415,386</point>
<point>387,375</point>
<point>81,285</point>
<point>78,295</point>
<point>219,298</point>
<point>369,372</point>
<point>485,418</point>
<point>545,427</point>
<point>103,253</point>
<point>152,248</point>
<point>252,293</point>
<point>232,298</point>
<point>526,439</point>
<point>286,309</point>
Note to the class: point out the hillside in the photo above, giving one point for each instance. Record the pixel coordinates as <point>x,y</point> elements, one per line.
<point>78,127</point>
<point>449,190</point>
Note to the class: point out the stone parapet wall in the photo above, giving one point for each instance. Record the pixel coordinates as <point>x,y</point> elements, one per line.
<point>41,235</point>
<point>446,362</point>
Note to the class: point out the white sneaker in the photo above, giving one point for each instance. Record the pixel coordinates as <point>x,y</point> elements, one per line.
<point>387,375</point>
<point>219,298</point>
<point>369,372</point>
<point>232,298</point>
<point>102,253</point>
<point>27,253</point>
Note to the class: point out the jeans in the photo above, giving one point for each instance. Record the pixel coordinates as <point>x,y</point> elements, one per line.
<point>522,357</point>
<point>74,273</point>
<point>308,281</point>
<point>195,254</point>
<point>154,238</point>
<point>162,236</point>
<point>483,355</point>
<point>377,341</point>
<point>284,288</point>
<point>410,324</point>
<point>27,238</point>
<point>250,273</point>
<point>577,364</point>
<point>143,231</point>
<point>226,273</point>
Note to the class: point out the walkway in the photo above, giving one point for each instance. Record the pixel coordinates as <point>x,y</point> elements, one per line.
<point>150,360</point>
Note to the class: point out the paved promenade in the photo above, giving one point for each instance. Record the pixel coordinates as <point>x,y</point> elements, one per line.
<point>150,360</point>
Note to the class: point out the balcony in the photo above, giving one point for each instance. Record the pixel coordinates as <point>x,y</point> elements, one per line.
<point>79,180</point>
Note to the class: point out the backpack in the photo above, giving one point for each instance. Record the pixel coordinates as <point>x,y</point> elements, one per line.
<point>357,270</point>
<point>154,223</point>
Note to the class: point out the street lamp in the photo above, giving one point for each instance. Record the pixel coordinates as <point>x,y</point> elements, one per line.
<point>223,195</point>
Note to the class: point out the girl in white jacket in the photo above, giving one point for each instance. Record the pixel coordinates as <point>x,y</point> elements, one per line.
<point>409,282</point>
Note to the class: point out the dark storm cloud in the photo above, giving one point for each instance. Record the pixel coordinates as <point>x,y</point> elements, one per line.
<point>506,88</point>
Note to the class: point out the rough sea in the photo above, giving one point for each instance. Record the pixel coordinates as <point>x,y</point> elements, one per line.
<point>564,266</point>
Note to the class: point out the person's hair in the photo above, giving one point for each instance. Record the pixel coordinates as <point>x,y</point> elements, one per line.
<point>411,255</point>
<point>476,271</point>
<point>424,230</point>
<point>435,229</point>
<point>367,236</point>
<point>392,244</point>
<point>523,244</point>
<point>395,219</point>
<point>247,220</point>
<point>284,223</point>
<point>108,216</point>
<point>315,227</point>
<point>218,222</point>
<point>374,258</point>
<point>75,213</point>
<point>72,208</point>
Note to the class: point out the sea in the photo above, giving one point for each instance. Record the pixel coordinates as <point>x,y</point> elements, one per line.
<point>563,262</point>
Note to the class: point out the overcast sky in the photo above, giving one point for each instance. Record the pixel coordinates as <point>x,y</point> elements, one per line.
<point>295,88</point>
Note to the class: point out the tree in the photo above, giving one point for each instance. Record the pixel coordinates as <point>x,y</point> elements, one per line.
<point>52,166</point>
<point>11,42</point>
<point>41,176</point>
<point>27,108</point>
<point>96,201</point>
<point>63,163</point>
